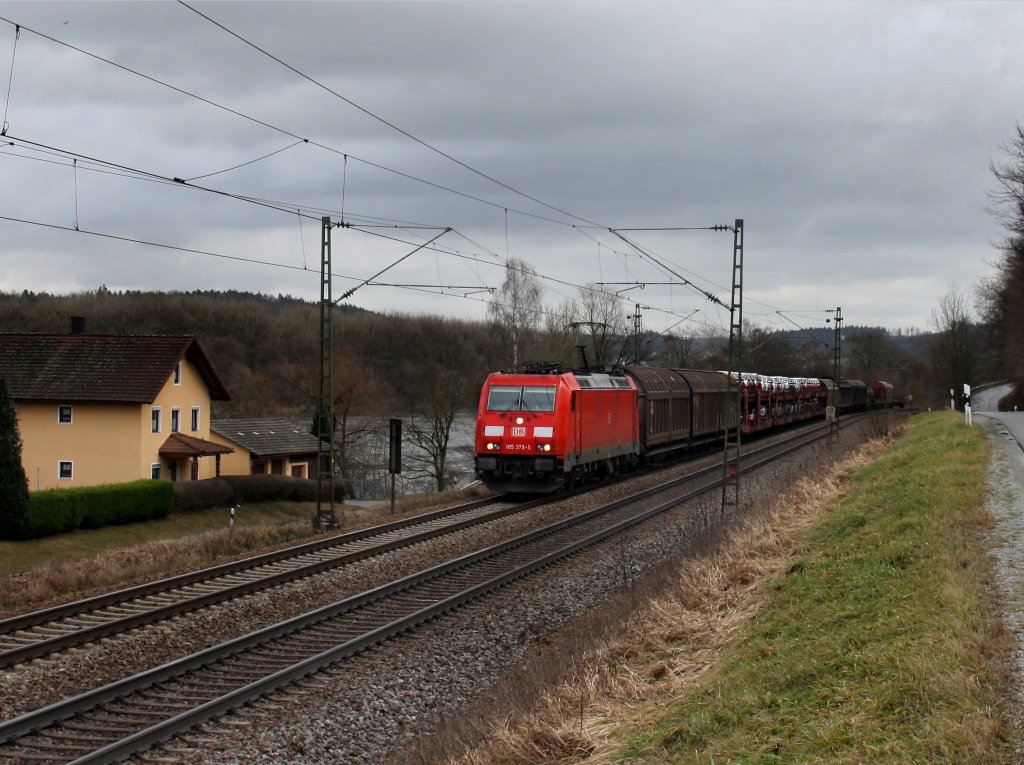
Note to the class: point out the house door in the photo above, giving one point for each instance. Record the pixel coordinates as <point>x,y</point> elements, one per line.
<point>172,468</point>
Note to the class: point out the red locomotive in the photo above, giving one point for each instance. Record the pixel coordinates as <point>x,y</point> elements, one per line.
<point>537,431</point>
<point>548,427</point>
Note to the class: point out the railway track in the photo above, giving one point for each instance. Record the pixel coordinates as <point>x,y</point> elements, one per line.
<point>109,723</point>
<point>40,633</point>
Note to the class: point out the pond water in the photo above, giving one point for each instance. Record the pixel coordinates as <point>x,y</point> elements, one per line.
<point>374,482</point>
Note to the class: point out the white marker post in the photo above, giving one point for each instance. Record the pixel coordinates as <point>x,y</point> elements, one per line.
<point>967,404</point>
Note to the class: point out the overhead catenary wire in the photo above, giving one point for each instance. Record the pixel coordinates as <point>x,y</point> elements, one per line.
<point>291,208</point>
<point>270,126</point>
<point>348,293</point>
<point>683,279</point>
<point>383,121</point>
<point>494,258</point>
<point>245,164</point>
<point>76,194</point>
<point>10,80</point>
<point>280,206</point>
<point>277,128</point>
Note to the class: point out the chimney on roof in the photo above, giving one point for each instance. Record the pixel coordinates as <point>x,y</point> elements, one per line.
<point>77,325</point>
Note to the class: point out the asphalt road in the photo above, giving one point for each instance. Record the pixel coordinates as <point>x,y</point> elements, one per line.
<point>1006,503</point>
<point>983,405</point>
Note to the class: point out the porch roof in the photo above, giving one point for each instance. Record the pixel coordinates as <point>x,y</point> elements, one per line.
<point>180,445</point>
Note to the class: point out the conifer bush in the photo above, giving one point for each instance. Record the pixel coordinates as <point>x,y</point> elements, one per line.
<point>13,481</point>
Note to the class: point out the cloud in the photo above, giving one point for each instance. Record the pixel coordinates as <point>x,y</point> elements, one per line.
<point>853,138</point>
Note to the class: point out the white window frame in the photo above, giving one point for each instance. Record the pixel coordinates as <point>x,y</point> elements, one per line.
<point>155,471</point>
<point>71,470</point>
<point>71,414</point>
<point>155,418</point>
<point>196,421</point>
<point>175,419</point>
<point>177,373</point>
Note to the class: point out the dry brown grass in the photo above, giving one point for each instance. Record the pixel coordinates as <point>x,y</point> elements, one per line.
<point>58,575</point>
<point>117,568</point>
<point>671,645</point>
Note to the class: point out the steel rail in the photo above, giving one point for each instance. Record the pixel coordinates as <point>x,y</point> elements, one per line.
<point>149,588</point>
<point>25,647</point>
<point>149,614</point>
<point>52,714</point>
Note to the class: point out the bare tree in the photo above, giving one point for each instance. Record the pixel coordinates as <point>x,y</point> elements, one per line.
<point>1001,300</point>
<point>557,339</point>
<point>516,308</point>
<point>682,348</point>
<point>952,347</point>
<point>444,394</point>
<point>447,383</point>
<point>1008,199</point>
<point>602,325</point>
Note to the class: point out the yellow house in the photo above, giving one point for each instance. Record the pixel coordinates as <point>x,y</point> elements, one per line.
<point>96,409</point>
<point>267,445</point>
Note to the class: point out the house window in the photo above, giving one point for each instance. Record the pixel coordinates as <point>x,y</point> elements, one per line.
<point>177,373</point>
<point>175,419</point>
<point>195,419</point>
<point>65,470</point>
<point>64,412</point>
<point>154,471</point>
<point>156,419</point>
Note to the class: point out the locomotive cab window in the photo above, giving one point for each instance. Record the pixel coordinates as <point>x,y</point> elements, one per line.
<point>521,398</point>
<point>538,399</point>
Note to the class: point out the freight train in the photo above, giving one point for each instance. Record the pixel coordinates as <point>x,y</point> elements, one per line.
<point>548,427</point>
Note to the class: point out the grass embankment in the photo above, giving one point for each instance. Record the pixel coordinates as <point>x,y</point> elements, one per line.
<point>855,627</point>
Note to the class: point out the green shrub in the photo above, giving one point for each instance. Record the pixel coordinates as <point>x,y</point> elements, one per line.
<point>192,496</point>
<point>119,503</point>
<point>262,488</point>
<point>54,511</point>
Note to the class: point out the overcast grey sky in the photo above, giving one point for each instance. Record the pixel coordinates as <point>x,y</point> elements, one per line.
<point>854,139</point>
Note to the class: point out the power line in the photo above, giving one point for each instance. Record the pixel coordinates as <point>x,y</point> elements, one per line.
<point>280,206</point>
<point>289,208</point>
<point>285,207</point>
<point>10,80</point>
<point>383,121</point>
<point>244,164</point>
<point>278,129</point>
<point>683,279</point>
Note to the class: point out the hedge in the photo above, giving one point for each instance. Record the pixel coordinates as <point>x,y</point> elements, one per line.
<point>190,496</point>
<point>54,511</point>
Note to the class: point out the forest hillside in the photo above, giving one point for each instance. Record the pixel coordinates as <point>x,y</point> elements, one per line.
<point>266,349</point>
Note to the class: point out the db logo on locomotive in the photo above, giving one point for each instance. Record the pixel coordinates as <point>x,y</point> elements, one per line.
<point>518,431</point>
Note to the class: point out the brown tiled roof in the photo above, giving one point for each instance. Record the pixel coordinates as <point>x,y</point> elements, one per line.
<point>120,368</point>
<point>180,445</point>
<point>268,436</point>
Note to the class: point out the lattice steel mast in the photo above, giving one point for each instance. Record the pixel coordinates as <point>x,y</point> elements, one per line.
<point>837,354</point>
<point>734,407</point>
<point>325,518</point>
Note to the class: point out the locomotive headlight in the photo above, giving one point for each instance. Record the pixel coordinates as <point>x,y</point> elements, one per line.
<point>520,420</point>
<point>492,446</point>
<point>545,447</point>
